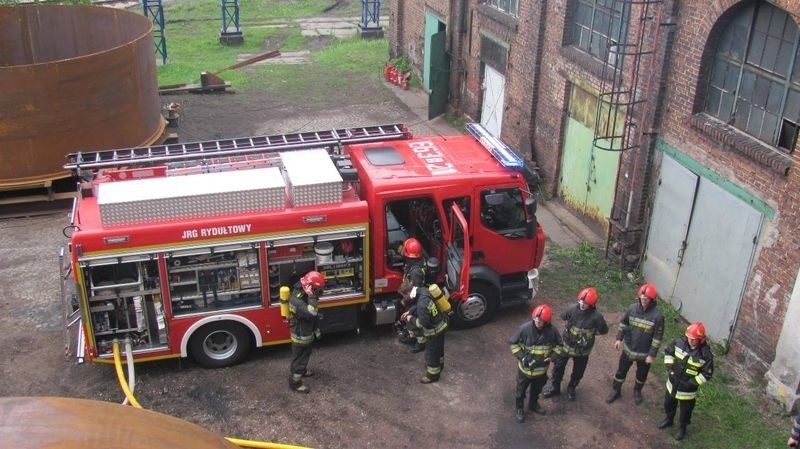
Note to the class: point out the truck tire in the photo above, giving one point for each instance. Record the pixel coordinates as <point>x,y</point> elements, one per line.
<point>478,308</point>
<point>220,344</point>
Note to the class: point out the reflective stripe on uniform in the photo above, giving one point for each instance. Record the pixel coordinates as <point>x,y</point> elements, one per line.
<point>681,395</point>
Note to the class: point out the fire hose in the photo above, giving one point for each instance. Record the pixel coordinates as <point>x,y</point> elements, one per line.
<point>129,398</point>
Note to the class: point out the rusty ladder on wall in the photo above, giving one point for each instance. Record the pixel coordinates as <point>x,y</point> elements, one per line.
<point>622,109</point>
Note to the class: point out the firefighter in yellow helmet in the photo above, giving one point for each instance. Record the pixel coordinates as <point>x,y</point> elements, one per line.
<point>640,332</point>
<point>689,364</point>
<point>303,321</point>
<point>533,344</point>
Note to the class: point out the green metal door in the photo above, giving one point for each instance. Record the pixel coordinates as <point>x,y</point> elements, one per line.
<point>440,76</point>
<point>432,26</point>
<point>588,174</point>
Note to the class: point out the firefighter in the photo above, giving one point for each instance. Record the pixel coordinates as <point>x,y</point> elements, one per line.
<point>689,363</point>
<point>583,322</point>
<point>303,320</point>
<point>639,335</point>
<point>432,323</point>
<point>794,438</point>
<point>413,276</point>
<point>533,344</point>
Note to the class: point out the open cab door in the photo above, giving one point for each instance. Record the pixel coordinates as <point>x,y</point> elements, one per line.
<point>459,255</point>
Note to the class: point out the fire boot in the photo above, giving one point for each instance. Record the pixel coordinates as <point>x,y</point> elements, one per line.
<point>299,387</point>
<point>552,390</point>
<point>571,392</point>
<point>681,434</point>
<point>615,392</point>
<point>534,406</point>
<point>666,422</point>
<point>637,393</point>
<point>418,347</point>
<point>519,415</point>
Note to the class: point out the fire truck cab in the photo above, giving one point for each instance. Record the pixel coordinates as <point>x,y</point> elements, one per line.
<point>181,250</point>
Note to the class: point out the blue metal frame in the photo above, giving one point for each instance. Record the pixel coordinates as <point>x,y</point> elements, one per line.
<point>370,14</point>
<point>230,17</point>
<point>154,10</point>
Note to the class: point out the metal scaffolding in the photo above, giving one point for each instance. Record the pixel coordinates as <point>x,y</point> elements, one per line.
<point>230,33</point>
<point>154,10</point>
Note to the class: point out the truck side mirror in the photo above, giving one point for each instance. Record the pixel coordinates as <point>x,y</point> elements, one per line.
<point>530,222</point>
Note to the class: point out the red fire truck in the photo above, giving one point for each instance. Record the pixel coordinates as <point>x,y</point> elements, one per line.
<point>183,248</point>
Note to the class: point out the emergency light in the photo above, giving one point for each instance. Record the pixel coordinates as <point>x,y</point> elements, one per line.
<point>507,157</point>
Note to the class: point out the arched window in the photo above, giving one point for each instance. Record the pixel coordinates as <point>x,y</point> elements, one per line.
<point>755,76</point>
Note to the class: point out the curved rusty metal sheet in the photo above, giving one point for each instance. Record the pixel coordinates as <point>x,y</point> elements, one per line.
<point>67,423</point>
<point>72,78</point>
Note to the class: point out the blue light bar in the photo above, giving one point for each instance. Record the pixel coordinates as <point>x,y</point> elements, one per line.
<point>502,152</point>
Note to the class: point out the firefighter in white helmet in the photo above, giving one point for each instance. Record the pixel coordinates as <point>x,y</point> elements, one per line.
<point>303,320</point>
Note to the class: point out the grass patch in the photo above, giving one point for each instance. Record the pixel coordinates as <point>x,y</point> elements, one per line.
<point>250,11</point>
<point>724,417</point>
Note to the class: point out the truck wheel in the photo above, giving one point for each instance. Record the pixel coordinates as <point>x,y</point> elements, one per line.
<point>216,345</point>
<point>478,308</point>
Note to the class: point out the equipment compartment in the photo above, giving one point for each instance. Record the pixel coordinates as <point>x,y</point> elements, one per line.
<point>211,282</point>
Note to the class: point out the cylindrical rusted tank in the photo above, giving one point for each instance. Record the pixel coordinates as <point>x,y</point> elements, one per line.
<point>72,78</point>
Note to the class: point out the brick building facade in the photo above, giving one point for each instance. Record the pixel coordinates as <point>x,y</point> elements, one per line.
<point>699,102</point>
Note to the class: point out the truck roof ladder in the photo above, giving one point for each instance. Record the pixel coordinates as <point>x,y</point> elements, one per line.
<point>260,145</point>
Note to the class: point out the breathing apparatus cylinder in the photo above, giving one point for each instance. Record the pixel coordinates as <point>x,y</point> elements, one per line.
<point>285,292</point>
<point>441,300</point>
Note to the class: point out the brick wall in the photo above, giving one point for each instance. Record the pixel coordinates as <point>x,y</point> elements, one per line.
<point>542,67</point>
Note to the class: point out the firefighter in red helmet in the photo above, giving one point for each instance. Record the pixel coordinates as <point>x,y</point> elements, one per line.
<point>640,332</point>
<point>689,363</point>
<point>303,321</point>
<point>533,344</point>
<point>582,323</point>
<point>413,276</point>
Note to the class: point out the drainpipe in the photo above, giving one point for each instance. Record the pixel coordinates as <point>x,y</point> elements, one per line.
<point>537,70</point>
<point>457,51</point>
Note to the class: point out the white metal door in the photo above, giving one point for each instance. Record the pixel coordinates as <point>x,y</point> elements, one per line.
<point>669,225</point>
<point>719,251</point>
<point>700,248</point>
<point>494,85</point>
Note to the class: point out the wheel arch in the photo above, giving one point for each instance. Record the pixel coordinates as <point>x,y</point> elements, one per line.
<point>484,273</point>
<point>254,333</point>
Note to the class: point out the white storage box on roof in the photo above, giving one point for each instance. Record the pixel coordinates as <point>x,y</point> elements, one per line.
<point>313,177</point>
<point>191,196</point>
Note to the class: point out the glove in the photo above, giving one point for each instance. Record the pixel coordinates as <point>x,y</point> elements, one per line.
<point>317,334</point>
<point>528,362</point>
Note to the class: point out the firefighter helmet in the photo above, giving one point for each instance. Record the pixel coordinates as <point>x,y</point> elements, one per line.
<point>313,278</point>
<point>412,248</point>
<point>696,331</point>
<point>588,295</point>
<point>648,290</point>
<point>542,312</point>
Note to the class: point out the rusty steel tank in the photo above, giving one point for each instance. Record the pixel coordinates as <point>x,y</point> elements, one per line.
<point>72,78</point>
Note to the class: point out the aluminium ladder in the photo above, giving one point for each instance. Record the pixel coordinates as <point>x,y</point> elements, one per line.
<point>227,148</point>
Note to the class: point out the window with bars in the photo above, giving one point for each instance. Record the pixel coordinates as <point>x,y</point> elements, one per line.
<point>755,76</point>
<point>599,24</point>
<point>507,6</point>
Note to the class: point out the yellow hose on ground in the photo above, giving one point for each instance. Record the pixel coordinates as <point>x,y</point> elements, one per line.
<point>121,377</point>
<point>262,445</point>
<point>236,441</point>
